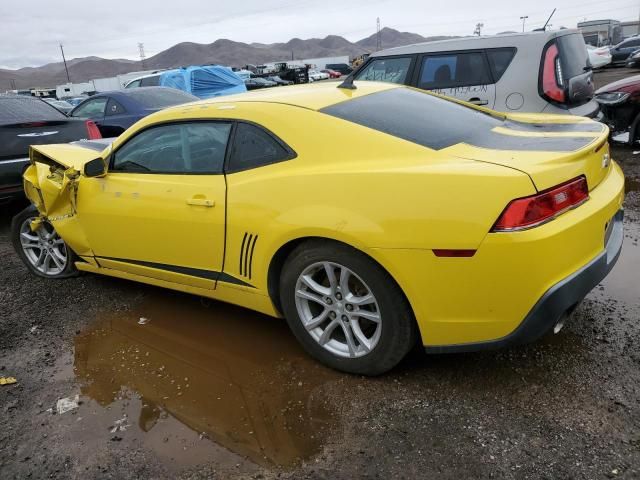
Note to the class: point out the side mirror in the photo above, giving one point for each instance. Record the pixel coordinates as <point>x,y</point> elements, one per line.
<point>95,168</point>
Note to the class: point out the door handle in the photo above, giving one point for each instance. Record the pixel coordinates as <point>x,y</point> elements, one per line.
<point>201,202</point>
<point>477,101</point>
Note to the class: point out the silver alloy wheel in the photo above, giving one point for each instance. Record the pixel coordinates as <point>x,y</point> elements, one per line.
<point>338,309</point>
<point>44,249</point>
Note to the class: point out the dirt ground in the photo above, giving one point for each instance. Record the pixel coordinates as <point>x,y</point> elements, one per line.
<point>171,386</point>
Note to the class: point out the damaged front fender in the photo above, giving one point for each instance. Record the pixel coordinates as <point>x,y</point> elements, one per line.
<point>52,184</point>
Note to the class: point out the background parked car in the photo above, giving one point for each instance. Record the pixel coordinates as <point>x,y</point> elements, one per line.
<point>343,68</point>
<point>64,107</point>
<point>253,83</point>
<point>317,75</point>
<point>633,61</point>
<point>620,105</point>
<point>599,56</point>
<point>622,51</point>
<point>279,81</point>
<point>26,121</point>
<point>331,73</point>
<point>114,112</point>
<point>202,81</point>
<point>526,72</point>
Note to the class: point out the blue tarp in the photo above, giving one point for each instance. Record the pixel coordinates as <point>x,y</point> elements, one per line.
<point>204,82</point>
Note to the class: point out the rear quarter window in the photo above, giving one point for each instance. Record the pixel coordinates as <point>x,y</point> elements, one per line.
<point>416,116</point>
<point>499,61</point>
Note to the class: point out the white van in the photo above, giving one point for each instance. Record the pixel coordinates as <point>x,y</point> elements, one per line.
<point>525,72</point>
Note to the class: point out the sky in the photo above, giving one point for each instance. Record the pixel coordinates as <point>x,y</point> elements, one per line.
<point>30,33</point>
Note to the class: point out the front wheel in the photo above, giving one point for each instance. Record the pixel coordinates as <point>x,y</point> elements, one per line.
<point>43,251</point>
<point>345,310</point>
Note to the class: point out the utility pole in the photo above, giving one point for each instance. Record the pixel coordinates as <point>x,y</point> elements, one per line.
<point>142,55</point>
<point>478,29</point>
<point>13,84</point>
<point>378,39</point>
<point>524,19</point>
<point>65,64</point>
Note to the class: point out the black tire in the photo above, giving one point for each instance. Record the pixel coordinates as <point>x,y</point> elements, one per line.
<point>399,330</point>
<point>69,270</point>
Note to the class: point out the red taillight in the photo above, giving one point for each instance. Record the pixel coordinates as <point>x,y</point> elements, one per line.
<point>93,132</point>
<point>531,211</point>
<point>552,75</point>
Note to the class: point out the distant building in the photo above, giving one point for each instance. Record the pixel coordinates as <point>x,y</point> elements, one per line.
<point>601,32</point>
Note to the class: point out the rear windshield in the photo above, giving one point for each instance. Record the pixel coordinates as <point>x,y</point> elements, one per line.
<point>573,54</point>
<point>416,116</point>
<point>160,97</point>
<point>27,109</point>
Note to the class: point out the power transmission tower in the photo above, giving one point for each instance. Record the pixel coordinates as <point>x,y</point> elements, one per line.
<point>378,38</point>
<point>142,55</point>
<point>65,64</point>
<point>478,30</point>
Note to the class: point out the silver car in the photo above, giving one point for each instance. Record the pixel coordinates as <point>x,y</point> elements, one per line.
<point>525,72</point>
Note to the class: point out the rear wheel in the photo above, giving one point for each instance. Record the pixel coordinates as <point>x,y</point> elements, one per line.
<point>345,309</point>
<point>43,251</point>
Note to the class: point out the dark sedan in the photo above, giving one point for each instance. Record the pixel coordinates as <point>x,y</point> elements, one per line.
<point>26,121</point>
<point>116,111</point>
<point>620,105</point>
<point>621,52</point>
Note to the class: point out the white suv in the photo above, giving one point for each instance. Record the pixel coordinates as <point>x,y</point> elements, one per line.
<point>528,72</point>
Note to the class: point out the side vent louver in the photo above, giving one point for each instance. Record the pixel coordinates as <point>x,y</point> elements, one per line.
<point>246,254</point>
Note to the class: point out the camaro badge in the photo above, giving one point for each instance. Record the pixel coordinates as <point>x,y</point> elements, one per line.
<point>37,134</point>
<point>606,160</point>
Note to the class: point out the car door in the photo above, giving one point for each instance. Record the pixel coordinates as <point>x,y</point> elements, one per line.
<point>463,75</point>
<point>93,109</point>
<point>160,210</point>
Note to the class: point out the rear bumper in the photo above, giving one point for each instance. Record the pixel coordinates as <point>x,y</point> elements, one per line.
<point>491,298</point>
<point>558,300</point>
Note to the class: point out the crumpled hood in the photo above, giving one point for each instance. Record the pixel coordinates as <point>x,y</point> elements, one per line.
<point>629,84</point>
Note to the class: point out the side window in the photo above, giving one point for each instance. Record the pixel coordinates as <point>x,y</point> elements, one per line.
<point>92,109</point>
<point>254,147</point>
<point>453,70</point>
<point>114,108</point>
<point>152,81</point>
<point>392,70</point>
<point>179,148</point>
<point>499,60</point>
<point>134,84</point>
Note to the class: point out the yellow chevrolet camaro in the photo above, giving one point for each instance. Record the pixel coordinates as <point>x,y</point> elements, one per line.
<point>370,218</point>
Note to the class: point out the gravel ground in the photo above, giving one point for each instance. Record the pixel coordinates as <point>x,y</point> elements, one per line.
<point>200,401</point>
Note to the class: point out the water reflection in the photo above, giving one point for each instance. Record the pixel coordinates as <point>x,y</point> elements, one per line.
<point>233,375</point>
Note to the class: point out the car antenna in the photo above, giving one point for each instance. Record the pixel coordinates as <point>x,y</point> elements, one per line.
<point>348,83</point>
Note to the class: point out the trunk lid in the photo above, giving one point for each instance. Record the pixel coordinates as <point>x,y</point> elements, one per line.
<point>550,149</point>
<point>16,138</point>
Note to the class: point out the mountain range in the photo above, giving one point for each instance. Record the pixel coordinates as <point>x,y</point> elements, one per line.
<point>222,51</point>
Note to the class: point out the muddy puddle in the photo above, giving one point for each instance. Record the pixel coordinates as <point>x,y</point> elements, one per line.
<point>199,383</point>
<point>623,282</point>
